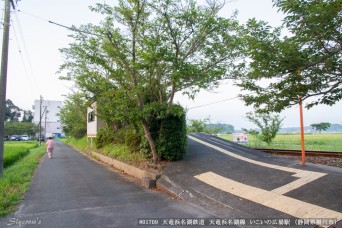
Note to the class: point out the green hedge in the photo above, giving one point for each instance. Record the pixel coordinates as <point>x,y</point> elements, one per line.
<point>172,141</point>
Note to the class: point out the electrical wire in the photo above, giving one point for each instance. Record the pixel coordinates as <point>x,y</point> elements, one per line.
<point>58,24</point>
<point>74,29</point>
<point>40,18</point>
<point>232,98</point>
<point>22,59</point>
<point>27,54</point>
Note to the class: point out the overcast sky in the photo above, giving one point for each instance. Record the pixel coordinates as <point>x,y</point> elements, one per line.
<point>34,59</point>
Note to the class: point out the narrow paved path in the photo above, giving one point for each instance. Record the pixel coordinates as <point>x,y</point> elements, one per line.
<point>71,190</point>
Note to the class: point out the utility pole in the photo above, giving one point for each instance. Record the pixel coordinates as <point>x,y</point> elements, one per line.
<point>46,112</point>
<point>40,119</point>
<point>3,79</point>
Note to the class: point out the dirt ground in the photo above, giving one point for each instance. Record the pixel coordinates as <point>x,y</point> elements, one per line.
<point>330,161</point>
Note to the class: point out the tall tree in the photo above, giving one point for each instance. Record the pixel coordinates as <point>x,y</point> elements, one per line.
<point>28,116</point>
<point>73,115</point>
<point>304,64</point>
<point>12,112</point>
<point>323,126</point>
<point>197,125</point>
<point>269,125</point>
<point>145,51</point>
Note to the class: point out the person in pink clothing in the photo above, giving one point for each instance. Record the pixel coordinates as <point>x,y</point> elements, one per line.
<point>50,145</point>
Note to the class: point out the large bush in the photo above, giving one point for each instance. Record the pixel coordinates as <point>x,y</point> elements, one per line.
<point>127,135</point>
<point>133,138</point>
<point>172,141</point>
<point>168,129</point>
<point>104,137</point>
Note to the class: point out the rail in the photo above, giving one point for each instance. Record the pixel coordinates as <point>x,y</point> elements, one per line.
<point>299,152</point>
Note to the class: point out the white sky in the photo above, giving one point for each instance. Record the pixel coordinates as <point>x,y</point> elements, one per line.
<point>33,72</point>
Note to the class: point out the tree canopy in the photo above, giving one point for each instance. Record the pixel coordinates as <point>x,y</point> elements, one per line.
<point>323,126</point>
<point>28,116</point>
<point>12,112</point>
<point>73,115</point>
<point>12,124</point>
<point>145,51</point>
<point>197,125</point>
<point>269,125</point>
<point>306,63</point>
<point>20,128</point>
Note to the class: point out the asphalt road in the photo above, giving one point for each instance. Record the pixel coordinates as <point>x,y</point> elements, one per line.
<point>252,170</point>
<point>71,190</point>
<point>217,179</point>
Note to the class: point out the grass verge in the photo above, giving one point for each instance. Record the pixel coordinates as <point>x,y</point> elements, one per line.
<point>80,144</point>
<point>123,153</point>
<point>116,151</point>
<point>16,180</point>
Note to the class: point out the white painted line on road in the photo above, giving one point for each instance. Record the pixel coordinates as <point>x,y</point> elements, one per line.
<point>269,199</point>
<point>220,143</point>
<point>304,176</point>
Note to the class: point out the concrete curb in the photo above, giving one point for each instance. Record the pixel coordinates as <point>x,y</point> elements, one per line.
<point>148,178</point>
<point>164,184</point>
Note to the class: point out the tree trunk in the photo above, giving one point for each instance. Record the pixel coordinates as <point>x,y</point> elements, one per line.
<point>172,93</point>
<point>150,140</point>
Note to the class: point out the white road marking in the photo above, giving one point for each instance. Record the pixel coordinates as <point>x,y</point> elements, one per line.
<point>269,199</point>
<point>304,176</point>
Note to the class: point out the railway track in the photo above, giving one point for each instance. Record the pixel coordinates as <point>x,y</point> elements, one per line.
<point>299,152</point>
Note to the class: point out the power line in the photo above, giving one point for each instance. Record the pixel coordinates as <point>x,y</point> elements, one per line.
<point>27,53</point>
<point>22,59</point>
<point>74,29</point>
<point>40,18</point>
<point>58,24</point>
<point>232,98</point>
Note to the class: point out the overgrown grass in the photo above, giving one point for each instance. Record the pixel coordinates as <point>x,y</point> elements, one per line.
<point>123,153</point>
<point>16,179</point>
<point>323,142</point>
<point>118,151</point>
<point>15,151</point>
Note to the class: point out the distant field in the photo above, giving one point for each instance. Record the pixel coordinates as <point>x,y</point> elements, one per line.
<point>15,151</point>
<point>326,142</point>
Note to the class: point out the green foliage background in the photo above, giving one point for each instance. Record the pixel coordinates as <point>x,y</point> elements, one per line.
<point>73,115</point>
